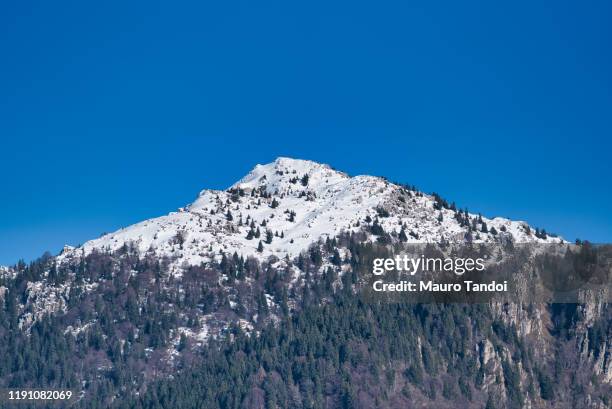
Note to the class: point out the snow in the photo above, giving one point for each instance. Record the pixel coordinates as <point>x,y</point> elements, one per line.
<point>330,203</point>
<point>42,300</point>
<point>7,272</point>
<point>74,331</point>
<point>199,336</point>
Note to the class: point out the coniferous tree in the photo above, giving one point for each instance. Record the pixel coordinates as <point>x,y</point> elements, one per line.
<point>291,216</point>
<point>336,259</point>
<point>250,234</point>
<point>376,229</point>
<point>402,235</point>
<point>269,236</point>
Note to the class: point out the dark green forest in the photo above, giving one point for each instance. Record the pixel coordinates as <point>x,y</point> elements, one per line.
<point>320,344</point>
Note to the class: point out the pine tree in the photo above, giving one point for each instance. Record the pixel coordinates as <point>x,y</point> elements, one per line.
<point>291,216</point>
<point>402,236</point>
<point>336,259</point>
<point>484,227</point>
<point>376,229</point>
<point>182,342</point>
<point>260,247</point>
<point>250,234</point>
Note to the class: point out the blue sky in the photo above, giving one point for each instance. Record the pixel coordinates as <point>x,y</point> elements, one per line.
<point>113,112</point>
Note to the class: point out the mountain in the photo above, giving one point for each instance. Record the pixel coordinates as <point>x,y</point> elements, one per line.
<point>304,201</point>
<point>250,298</point>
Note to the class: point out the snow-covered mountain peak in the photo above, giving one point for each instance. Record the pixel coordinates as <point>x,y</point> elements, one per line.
<point>281,208</point>
<point>284,174</point>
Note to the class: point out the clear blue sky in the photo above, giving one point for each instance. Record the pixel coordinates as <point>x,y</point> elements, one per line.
<point>112,112</point>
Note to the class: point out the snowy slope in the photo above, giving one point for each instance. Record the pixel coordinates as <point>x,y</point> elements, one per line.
<point>328,203</point>
<point>6,272</point>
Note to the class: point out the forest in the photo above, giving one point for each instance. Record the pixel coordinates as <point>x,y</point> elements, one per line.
<point>126,338</point>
